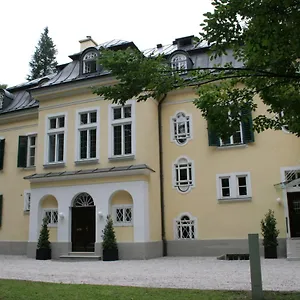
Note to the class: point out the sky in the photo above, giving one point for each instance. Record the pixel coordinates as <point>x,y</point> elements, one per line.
<point>146,23</point>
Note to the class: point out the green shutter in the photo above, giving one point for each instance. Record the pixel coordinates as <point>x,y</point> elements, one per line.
<point>2,144</point>
<point>22,152</point>
<point>1,205</point>
<point>213,139</point>
<point>247,126</point>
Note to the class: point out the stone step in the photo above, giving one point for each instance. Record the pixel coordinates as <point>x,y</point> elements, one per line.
<point>293,249</point>
<point>80,256</point>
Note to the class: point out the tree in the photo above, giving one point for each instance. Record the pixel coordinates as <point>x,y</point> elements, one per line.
<point>3,86</point>
<point>43,61</point>
<point>109,236</point>
<point>43,242</point>
<point>263,35</point>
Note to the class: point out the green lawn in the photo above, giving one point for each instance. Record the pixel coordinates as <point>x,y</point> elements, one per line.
<point>18,290</point>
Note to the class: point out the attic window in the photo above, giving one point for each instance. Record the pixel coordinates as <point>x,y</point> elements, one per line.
<point>179,62</point>
<point>1,100</point>
<point>89,63</point>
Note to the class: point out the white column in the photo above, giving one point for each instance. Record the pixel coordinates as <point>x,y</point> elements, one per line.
<point>141,211</point>
<point>100,196</point>
<point>64,224</point>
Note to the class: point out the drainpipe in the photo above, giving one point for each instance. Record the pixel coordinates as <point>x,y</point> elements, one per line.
<point>161,175</point>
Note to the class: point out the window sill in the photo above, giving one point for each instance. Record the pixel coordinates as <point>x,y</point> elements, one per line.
<point>29,168</point>
<point>87,161</point>
<point>223,200</point>
<point>232,146</point>
<point>54,165</point>
<point>122,157</point>
<point>123,224</point>
<point>52,225</point>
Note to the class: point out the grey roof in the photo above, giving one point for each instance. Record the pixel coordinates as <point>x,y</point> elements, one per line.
<point>70,72</point>
<point>168,49</point>
<point>89,171</point>
<point>22,100</point>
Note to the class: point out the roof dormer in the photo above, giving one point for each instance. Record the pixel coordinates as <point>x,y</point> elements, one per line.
<point>5,99</point>
<point>89,61</point>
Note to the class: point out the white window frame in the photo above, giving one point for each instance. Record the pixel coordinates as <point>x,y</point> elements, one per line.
<point>86,60</point>
<point>112,122</point>
<point>232,143</point>
<point>27,200</point>
<point>176,184</point>
<point>56,131</point>
<point>233,186</point>
<point>179,63</point>
<point>30,135</point>
<point>173,122</point>
<point>178,219</point>
<point>52,210</point>
<point>122,206</point>
<point>87,127</point>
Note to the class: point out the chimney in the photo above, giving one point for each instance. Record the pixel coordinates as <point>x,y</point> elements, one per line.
<point>87,42</point>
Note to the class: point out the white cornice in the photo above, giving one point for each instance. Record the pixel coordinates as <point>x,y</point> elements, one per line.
<point>17,116</point>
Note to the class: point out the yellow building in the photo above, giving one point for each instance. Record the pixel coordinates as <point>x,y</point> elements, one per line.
<point>170,185</point>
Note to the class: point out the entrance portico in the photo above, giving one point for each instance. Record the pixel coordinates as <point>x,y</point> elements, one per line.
<point>101,195</point>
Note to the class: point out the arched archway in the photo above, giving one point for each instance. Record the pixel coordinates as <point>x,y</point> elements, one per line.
<point>83,223</point>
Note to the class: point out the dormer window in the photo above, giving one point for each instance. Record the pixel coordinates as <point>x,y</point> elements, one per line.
<point>1,100</point>
<point>179,62</point>
<point>89,62</point>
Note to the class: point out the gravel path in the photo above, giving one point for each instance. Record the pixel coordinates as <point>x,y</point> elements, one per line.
<point>172,272</point>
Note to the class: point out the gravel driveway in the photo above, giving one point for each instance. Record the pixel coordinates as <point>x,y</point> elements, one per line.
<point>172,272</point>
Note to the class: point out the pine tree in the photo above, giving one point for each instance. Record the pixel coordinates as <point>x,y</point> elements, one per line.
<point>43,61</point>
<point>43,242</point>
<point>109,236</point>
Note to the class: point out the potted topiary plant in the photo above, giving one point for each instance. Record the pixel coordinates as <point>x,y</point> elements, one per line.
<point>109,244</point>
<point>43,250</point>
<point>270,234</point>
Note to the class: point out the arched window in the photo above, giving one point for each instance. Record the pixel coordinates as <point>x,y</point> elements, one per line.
<point>89,62</point>
<point>179,63</point>
<point>181,128</point>
<point>183,177</point>
<point>185,227</point>
<point>83,199</point>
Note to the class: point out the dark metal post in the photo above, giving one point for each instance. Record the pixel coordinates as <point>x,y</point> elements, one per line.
<point>255,267</point>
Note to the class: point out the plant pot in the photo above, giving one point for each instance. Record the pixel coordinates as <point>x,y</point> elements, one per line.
<point>271,252</point>
<point>110,254</point>
<point>43,254</point>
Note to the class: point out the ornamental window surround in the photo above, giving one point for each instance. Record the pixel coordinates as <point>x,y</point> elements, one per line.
<point>87,134</point>
<point>122,131</point>
<point>185,227</point>
<point>179,63</point>
<point>123,215</point>
<point>234,186</point>
<point>89,62</point>
<point>51,214</point>
<point>183,175</point>
<point>181,128</point>
<point>56,135</point>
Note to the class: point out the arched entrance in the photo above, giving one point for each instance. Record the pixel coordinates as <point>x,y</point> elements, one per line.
<point>83,223</point>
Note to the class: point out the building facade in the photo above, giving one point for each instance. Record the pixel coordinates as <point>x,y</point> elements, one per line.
<point>170,185</point>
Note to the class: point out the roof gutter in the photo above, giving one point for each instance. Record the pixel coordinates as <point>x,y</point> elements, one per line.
<point>161,175</point>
